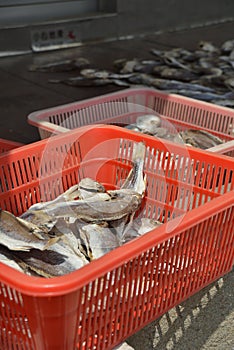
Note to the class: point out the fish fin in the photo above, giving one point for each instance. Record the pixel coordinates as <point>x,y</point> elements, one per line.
<point>50,242</point>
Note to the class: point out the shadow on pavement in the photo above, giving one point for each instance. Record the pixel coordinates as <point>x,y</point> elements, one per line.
<point>193,323</point>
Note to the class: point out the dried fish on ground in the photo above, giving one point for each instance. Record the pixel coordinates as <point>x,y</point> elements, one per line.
<point>61,66</point>
<point>224,103</point>
<point>203,95</point>
<point>103,74</point>
<point>83,81</point>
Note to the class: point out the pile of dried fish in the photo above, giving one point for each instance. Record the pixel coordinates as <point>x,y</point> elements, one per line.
<point>206,73</point>
<point>56,237</point>
<point>152,125</point>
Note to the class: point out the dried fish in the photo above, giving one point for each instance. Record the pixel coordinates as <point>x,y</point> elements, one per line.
<point>200,138</point>
<point>148,123</point>
<point>18,234</point>
<point>132,127</point>
<point>227,46</point>
<point>207,46</point>
<point>100,239</point>
<point>85,222</point>
<point>178,74</point>
<point>83,81</point>
<point>146,66</point>
<point>136,180</point>
<point>94,73</point>
<point>128,66</point>
<point>202,95</point>
<point>224,103</point>
<point>102,74</point>
<point>139,227</point>
<point>50,263</point>
<point>88,187</point>
<point>123,346</point>
<point>7,258</point>
<point>61,66</point>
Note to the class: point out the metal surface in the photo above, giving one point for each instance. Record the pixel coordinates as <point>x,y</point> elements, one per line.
<point>28,13</point>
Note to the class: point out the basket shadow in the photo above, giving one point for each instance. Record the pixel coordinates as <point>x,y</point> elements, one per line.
<point>190,324</point>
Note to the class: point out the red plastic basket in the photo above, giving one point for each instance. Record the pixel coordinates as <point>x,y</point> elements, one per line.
<point>190,191</point>
<point>123,107</point>
<point>7,145</point>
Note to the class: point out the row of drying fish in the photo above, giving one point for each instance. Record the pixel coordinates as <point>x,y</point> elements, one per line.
<point>56,237</point>
<point>206,73</point>
<point>152,125</point>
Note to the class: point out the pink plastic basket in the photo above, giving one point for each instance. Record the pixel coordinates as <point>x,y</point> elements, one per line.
<point>94,308</point>
<point>121,108</point>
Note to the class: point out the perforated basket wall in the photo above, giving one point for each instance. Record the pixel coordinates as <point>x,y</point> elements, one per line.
<point>99,305</point>
<point>123,107</point>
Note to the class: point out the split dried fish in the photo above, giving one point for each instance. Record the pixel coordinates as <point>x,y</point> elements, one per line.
<point>59,236</point>
<point>203,95</point>
<point>148,124</point>
<point>6,257</point>
<point>200,138</point>
<point>112,205</point>
<point>205,73</point>
<point>18,234</point>
<point>100,239</point>
<point>88,187</point>
<point>61,66</point>
<point>83,81</point>
<point>139,227</point>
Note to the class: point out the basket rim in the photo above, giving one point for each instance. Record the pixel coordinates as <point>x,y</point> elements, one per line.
<point>35,117</point>
<point>56,286</point>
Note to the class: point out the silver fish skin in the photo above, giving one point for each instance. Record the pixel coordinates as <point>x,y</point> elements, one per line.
<point>18,234</point>
<point>123,346</point>
<point>148,123</point>
<point>70,194</point>
<point>202,95</point>
<point>88,187</point>
<point>100,239</point>
<point>224,103</point>
<point>63,257</point>
<point>139,227</point>
<point>200,138</point>
<point>167,84</point>
<point>122,203</point>
<point>50,263</point>
<point>61,66</point>
<point>136,180</point>
<point>178,74</point>
<point>108,206</point>
<point>207,46</point>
